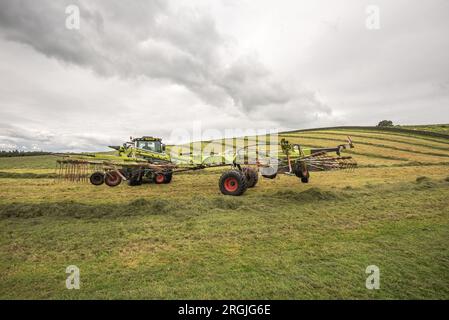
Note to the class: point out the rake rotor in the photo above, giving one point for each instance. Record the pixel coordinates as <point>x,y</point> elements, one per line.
<point>75,170</point>
<point>325,162</point>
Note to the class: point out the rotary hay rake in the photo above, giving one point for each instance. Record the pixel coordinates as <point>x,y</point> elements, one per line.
<point>145,160</point>
<point>73,170</point>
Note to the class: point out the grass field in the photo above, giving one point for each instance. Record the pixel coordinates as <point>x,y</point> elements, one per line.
<point>439,128</point>
<point>281,240</point>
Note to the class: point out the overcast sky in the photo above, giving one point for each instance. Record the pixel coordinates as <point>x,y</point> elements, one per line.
<point>148,67</point>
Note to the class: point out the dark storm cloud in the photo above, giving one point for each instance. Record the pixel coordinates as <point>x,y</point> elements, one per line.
<point>149,38</point>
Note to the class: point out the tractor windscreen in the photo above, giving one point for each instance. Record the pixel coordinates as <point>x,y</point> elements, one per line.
<point>154,146</point>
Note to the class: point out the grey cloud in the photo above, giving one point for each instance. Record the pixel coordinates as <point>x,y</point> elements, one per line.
<point>250,85</point>
<point>16,137</point>
<point>135,38</point>
<point>14,134</point>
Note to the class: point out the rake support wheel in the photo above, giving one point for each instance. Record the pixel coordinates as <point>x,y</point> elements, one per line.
<point>112,179</point>
<point>302,172</point>
<point>268,172</point>
<point>251,176</point>
<point>233,183</point>
<point>97,178</point>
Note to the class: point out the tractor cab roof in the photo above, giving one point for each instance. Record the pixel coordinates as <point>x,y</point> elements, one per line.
<point>146,138</point>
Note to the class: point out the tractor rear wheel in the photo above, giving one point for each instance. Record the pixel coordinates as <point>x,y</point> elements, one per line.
<point>232,183</point>
<point>112,179</point>
<point>97,178</point>
<point>251,176</point>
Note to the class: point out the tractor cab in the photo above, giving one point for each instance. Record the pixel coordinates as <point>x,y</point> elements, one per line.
<point>146,148</point>
<point>149,144</point>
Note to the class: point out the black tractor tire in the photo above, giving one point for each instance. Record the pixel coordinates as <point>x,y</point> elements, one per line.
<point>112,179</point>
<point>251,176</point>
<point>232,183</point>
<point>97,178</point>
<point>135,178</point>
<point>134,181</point>
<point>168,176</point>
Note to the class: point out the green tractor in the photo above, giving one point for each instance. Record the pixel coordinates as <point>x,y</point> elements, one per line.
<point>144,160</point>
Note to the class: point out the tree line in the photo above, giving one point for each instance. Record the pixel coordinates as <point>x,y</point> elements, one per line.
<point>21,153</point>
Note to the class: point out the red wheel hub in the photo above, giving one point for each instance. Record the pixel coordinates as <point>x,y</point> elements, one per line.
<point>231,184</point>
<point>159,178</point>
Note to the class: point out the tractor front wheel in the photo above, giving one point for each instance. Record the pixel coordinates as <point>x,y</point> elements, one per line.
<point>232,183</point>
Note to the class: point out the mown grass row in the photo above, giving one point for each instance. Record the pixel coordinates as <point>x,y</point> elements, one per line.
<point>198,204</point>
<point>195,205</point>
<point>383,146</point>
<point>404,135</point>
<point>404,164</point>
<point>387,130</point>
<point>374,155</point>
<point>372,150</point>
<point>412,141</point>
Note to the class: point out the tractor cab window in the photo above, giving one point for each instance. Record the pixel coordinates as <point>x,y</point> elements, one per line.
<point>154,146</point>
